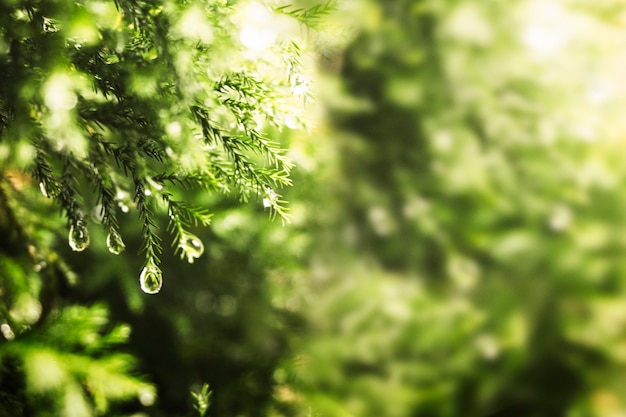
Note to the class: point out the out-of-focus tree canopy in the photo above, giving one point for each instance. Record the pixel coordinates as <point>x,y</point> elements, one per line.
<point>476,199</point>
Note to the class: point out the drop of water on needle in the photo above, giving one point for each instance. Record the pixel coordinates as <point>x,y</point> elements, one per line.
<point>192,247</point>
<point>78,237</point>
<point>42,187</point>
<point>151,279</point>
<point>115,243</point>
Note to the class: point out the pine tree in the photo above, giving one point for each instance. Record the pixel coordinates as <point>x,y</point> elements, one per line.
<point>109,107</point>
<point>132,99</point>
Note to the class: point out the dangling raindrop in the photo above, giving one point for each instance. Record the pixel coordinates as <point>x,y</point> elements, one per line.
<point>192,247</point>
<point>151,279</point>
<point>115,243</point>
<point>78,237</point>
<point>42,187</point>
<point>50,191</point>
<point>97,214</point>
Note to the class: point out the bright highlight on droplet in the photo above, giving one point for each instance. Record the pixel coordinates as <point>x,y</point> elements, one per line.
<point>42,187</point>
<point>7,332</point>
<point>151,279</point>
<point>115,243</point>
<point>78,237</point>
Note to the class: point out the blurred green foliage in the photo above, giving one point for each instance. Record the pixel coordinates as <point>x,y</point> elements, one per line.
<point>471,258</point>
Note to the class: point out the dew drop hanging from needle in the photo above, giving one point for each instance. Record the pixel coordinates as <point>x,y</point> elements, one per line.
<point>192,247</point>
<point>42,187</point>
<point>151,279</point>
<point>115,243</point>
<point>78,237</point>
<point>48,191</point>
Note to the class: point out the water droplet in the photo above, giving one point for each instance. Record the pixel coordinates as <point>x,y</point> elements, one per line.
<point>123,200</point>
<point>151,279</point>
<point>7,332</point>
<point>270,198</point>
<point>97,214</point>
<point>115,243</point>
<point>48,192</point>
<point>192,247</point>
<point>79,237</point>
<point>42,187</point>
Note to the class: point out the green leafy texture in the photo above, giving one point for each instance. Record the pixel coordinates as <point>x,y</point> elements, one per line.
<point>165,110</point>
<point>311,17</point>
<point>202,400</point>
<point>132,97</point>
<point>55,359</point>
<point>70,364</point>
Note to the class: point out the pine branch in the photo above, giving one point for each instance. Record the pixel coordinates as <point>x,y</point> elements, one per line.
<point>151,240</point>
<point>204,179</point>
<point>68,195</point>
<point>311,17</point>
<point>125,124</point>
<point>123,155</point>
<point>299,82</point>
<point>43,173</point>
<point>106,190</point>
<point>250,177</point>
<point>183,215</point>
<point>188,214</point>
